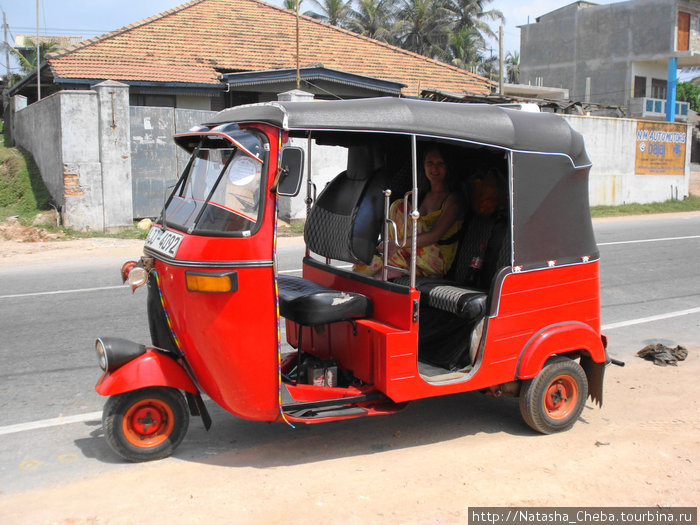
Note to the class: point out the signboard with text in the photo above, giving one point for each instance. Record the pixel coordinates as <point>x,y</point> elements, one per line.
<point>660,149</point>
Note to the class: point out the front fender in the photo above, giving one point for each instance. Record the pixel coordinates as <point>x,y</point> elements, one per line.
<point>559,339</point>
<point>153,368</point>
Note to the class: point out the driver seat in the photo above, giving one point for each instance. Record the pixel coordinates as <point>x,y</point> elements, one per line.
<point>343,224</point>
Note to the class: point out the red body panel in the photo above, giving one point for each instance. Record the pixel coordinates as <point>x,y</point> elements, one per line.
<point>150,369</point>
<point>230,339</point>
<point>540,313</point>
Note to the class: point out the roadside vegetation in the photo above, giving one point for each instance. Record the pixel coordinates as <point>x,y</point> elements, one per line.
<point>23,196</point>
<point>690,203</point>
<point>22,192</point>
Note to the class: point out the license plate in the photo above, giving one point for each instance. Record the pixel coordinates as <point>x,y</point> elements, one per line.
<point>163,241</point>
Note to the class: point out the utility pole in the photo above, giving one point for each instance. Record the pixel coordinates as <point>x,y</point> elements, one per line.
<point>7,49</point>
<point>500,60</point>
<point>298,73</point>
<point>38,56</point>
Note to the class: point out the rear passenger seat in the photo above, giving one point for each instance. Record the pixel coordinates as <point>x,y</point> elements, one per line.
<point>485,243</point>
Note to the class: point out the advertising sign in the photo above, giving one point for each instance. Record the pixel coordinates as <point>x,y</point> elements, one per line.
<point>660,149</point>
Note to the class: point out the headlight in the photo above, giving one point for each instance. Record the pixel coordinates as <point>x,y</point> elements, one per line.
<point>113,352</point>
<point>101,354</point>
<point>138,276</point>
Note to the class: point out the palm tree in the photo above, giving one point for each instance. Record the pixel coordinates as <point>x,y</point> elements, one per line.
<point>374,19</point>
<point>423,27</point>
<point>471,13</point>
<point>292,4</point>
<point>334,12</point>
<point>27,57</point>
<point>513,67</point>
<point>465,46</point>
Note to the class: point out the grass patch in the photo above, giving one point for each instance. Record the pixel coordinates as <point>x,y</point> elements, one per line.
<point>691,203</point>
<point>22,192</point>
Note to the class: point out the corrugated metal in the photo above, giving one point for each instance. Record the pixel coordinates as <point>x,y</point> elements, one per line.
<point>156,162</point>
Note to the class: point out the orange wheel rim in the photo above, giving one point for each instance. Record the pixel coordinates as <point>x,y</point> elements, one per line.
<point>561,397</point>
<point>148,423</point>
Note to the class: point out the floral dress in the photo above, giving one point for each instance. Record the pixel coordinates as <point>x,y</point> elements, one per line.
<point>433,259</point>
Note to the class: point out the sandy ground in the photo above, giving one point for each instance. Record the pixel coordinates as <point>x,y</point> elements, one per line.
<point>426,464</point>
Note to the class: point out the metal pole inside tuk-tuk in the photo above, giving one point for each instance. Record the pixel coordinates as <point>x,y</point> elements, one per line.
<point>310,186</point>
<point>414,209</point>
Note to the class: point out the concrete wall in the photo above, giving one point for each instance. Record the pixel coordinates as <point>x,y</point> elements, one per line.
<point>326,163</point>
<point>601,42</point>
<point>611,144</point>
<point>80,141</point>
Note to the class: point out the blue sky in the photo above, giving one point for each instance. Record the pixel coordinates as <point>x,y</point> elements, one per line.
<point>89,18</point>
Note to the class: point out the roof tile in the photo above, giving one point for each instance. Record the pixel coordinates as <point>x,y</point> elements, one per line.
<point>195,41</point>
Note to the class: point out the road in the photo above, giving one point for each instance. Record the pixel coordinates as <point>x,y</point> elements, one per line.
<point>51,314</point>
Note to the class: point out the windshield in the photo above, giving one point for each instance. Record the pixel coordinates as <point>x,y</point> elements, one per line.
<point>219,192</point>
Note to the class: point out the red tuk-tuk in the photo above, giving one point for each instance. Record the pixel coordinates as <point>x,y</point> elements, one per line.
<point>528,326</point>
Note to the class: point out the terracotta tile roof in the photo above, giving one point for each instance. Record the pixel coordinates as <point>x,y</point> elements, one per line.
<point>193,43</point>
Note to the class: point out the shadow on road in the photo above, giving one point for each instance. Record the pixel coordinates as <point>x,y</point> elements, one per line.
<point>233,442</point>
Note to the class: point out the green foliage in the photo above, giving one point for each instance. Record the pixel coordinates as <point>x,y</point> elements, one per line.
<point>453,31</point>
<point>22,192</point>
<point>691,203</point>
<point>689,92</point>
<point>27,56</point>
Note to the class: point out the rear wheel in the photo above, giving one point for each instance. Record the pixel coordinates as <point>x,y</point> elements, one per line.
<point>554,399</point>
<point>145,424</point>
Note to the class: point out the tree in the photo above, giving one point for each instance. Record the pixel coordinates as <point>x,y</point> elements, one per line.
<point>374,19</point>
<point>292,4</point>
<point>423,27</point>
<point>465,46</point>
<point>334,12</point>
<point>27,55</point>
<point>513,67</point>
<point>471,13</point>
<point>689,92</point>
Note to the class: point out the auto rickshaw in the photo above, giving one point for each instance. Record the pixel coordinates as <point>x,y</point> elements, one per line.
<point>361,345</point>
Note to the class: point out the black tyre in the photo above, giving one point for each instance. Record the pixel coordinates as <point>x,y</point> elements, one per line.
<point>145,424</point>
<point>554,399</point>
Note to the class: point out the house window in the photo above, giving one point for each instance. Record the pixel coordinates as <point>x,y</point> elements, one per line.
<point>157,101</point>
<point>640,87</point>
<point>658,88</point>
<point>683,39</point>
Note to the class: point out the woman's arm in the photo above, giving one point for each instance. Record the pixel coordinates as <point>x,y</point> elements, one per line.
<point>451,212</point>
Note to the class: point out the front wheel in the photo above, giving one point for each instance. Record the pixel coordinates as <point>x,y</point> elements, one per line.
<point>145,424</point>
<point>554,399</point>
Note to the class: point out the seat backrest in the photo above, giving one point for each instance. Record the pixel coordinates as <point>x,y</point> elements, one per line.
<point>345,221</point>
<point>483,249</point>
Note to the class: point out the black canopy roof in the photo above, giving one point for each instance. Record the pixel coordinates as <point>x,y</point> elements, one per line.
<point>482,123</point>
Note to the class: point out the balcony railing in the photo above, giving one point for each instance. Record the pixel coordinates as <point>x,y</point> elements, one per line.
<point>656,108</point>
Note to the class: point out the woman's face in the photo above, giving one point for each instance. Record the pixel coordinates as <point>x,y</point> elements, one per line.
<point>435,167</point>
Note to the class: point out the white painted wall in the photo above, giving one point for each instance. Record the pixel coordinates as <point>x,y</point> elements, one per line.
<point>326,163</point>
<point>611,145</point>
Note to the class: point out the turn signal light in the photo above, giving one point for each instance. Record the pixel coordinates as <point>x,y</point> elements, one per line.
<point>212,282</point>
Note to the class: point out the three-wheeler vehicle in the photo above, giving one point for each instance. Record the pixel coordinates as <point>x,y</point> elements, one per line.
<point>528,325</point>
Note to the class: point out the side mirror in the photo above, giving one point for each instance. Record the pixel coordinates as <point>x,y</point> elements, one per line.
<point>292,166</point>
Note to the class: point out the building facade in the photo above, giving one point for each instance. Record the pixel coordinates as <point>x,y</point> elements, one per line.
<point>623,54</point>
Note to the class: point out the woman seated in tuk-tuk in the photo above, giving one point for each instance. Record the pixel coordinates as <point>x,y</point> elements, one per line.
<point>441,214</point>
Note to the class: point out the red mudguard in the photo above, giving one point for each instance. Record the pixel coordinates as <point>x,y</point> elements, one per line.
<point>150,369</point>
<point>559,339</point>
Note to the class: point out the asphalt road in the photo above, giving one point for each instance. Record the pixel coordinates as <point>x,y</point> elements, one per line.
<point>52,313</point>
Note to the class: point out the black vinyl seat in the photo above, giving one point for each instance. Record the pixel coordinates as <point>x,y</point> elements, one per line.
<point>343,224</point>
<point>309,303</point>
<point>462,293</point>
